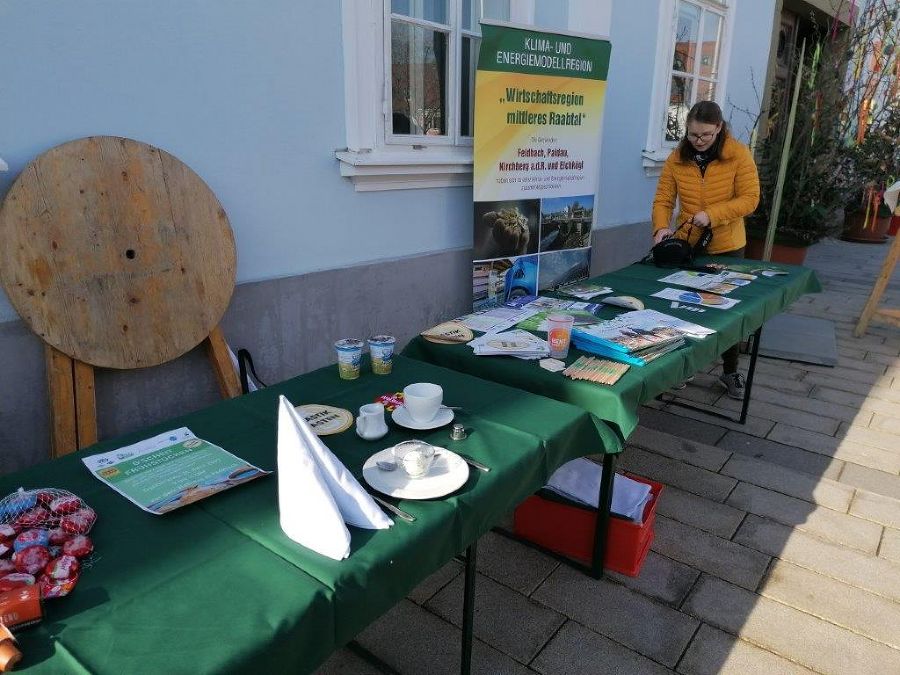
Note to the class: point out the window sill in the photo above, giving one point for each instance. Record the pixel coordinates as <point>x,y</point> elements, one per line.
<point>406,169</point>
<point>653,160</point>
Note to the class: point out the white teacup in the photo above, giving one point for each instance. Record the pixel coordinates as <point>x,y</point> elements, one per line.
<point>423,400</point>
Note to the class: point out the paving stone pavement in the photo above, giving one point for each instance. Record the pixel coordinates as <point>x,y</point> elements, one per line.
<point>777,544</point>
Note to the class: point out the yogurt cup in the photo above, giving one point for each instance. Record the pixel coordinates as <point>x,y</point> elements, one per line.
<point>381,349</point>
<point>349,351</point>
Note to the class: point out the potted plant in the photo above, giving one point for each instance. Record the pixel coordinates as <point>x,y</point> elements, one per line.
<point>867,218</point>
<point>811,199</point>
<point>872,165</point>
<point>844,146</point>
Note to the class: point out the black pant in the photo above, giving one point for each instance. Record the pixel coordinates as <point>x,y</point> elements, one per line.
<point>730,355</point>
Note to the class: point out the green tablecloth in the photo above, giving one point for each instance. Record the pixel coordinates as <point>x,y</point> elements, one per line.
<point>618,404</point>
<point>216,586</point>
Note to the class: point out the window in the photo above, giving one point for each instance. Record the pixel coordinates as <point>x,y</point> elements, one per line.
<point>432,51</point>
<point>409,74</point>
<point>691,54</point>
<point>695,63</point>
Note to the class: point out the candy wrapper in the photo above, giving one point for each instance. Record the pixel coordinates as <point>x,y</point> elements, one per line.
<point>80,546</point>
<point>42,540</point>
<point>391,401</point>
<point>15,580</point>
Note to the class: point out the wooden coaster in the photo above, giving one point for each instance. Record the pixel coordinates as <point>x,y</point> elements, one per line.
<point>326,420</point>
<point>449,333</point>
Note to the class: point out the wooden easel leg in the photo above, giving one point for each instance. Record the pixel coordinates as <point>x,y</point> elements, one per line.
<point>881,283</point>
<point>85,403</point>
<point>217,349</point>
<point>61,388</point>
<point>73,404</point>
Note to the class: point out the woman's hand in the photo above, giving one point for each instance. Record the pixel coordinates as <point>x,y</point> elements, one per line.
<point>701,219</point>
<point>664,233</point>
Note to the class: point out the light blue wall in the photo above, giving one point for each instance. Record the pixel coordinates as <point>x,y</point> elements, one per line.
<point>749,58</point>
<point>551,14</point>
<point>249,94</point>
<point>626,193</point>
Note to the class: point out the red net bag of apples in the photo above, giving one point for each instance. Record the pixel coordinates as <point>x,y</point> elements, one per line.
<point>44,540</point>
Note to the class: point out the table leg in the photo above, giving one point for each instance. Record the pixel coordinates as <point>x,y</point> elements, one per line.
<point>465,664</point>
<point>670,399</point>
<point>752,369</point>
<point>604,506</point>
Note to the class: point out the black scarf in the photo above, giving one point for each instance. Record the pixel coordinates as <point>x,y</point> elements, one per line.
<point>702,160</point>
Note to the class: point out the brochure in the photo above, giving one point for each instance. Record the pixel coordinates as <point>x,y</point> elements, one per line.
<point>584,291</point>
<point>496,319</point>
<point>538,322</point>
<point>696,298</point>
<point>519,343</point>
<point>583,312</point>
<point>170,470</point>
<point>714,283</point>
<point>621,337</point>
<point>539,302</point>
<point>765,269</point>
<point>650,318</point>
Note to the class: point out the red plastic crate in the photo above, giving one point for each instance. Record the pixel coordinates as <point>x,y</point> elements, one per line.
<point>568,529</point>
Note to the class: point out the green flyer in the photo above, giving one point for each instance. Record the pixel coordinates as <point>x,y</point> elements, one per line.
<point>170,470</point>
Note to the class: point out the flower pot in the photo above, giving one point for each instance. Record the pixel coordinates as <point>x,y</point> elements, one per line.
<point>895,225</point>
<point>872,232</point>
<point>791,255</point>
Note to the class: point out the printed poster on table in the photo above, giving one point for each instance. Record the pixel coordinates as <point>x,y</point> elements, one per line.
<point>538,115</point>
<point>170,470</point>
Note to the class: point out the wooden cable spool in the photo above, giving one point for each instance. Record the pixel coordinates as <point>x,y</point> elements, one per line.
<point>118,256</point>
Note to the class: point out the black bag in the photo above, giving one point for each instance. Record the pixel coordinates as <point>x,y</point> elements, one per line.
<point>675,252</point>
<point>245,361</point>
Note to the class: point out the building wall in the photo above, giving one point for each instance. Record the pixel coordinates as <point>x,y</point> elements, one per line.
<point>626,192</point>
<point>250,95</point>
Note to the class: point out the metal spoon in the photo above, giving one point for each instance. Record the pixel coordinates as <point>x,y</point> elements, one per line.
<point>386,465</point>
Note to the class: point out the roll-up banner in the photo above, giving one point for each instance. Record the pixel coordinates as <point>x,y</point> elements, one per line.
<point>538,112</point>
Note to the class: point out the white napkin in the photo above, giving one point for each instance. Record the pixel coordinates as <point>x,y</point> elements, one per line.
<point>580,480</point>
<point>316,493</point>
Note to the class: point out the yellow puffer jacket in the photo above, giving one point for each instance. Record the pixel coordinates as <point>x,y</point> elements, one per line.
<point>728,192</point>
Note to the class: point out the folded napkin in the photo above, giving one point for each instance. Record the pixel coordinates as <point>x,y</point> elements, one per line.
<point>316,493</point>
<point>580,480</point>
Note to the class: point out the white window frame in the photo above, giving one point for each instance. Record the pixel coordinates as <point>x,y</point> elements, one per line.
<point>375,159</point>
<point>656,148</point>
<point>455,34</point>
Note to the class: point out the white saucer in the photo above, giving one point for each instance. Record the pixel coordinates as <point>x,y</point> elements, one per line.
<point>402,417</point>
<point>448,473</point>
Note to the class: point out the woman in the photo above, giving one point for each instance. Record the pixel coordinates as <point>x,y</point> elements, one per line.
<point>714,178</point>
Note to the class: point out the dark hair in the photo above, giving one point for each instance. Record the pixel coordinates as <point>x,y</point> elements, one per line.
<point>706,112</point>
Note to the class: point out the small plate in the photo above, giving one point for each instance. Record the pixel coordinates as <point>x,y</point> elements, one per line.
<point>448,473</point>
<point>402,417</point>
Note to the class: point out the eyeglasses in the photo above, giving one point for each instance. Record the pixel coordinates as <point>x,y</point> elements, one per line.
<point>702,137</point>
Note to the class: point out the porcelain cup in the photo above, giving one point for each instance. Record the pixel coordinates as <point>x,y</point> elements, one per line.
<point>423,400</point>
